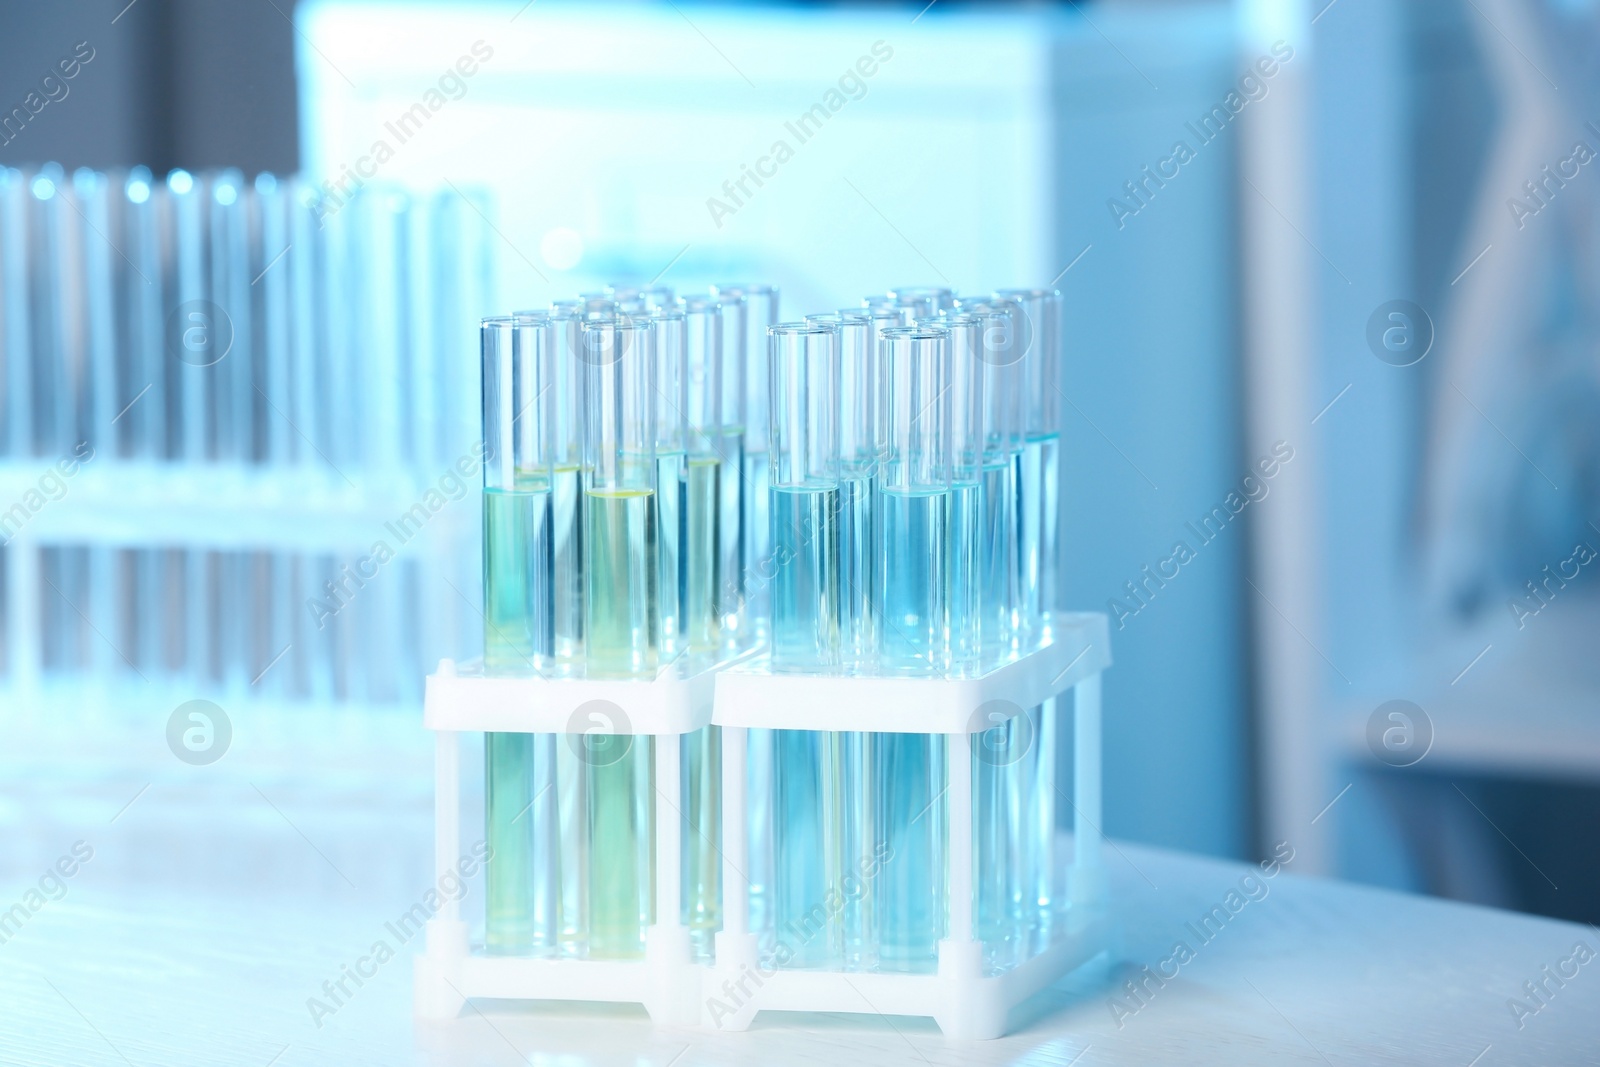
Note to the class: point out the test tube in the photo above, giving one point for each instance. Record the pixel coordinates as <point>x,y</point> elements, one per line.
<point>805,497</point>
<point>1038,489</point>
<point>761,314</point>
<point>908,770</point>
<point>759,310</point>
<point>966,503</point>
<point>732,343</point>
<point>597,306</point>
<point>929,300</point>
<point>656,296</point>
<point>756,307</point>
<point>804,514</point>
<point>857,465</point>
<point>1040,322</point>
<point>904,314</point>
<point>566,327</point>
<point>701,754</point>
<point>567,576</point>
<point>859,456</point>
<point>522,875</point>
<point>621,636</point>
<point>999,579</point>
<point>1003,767</point>
<point>686,493</point>
<point>621,623</point>
<point>672,431</point>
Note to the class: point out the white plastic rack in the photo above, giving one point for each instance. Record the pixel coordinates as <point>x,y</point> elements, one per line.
<point>739,694</point>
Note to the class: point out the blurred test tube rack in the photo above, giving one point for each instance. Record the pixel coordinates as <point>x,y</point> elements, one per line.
<point>217,397</point>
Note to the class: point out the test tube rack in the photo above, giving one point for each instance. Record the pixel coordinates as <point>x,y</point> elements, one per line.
<point>740,695</point>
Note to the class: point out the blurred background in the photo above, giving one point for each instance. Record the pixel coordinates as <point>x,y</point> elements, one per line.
<point>1331,327</point>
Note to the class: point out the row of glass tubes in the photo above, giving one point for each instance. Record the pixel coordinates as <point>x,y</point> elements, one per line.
<point>929,400</point>
<point>911,529</point>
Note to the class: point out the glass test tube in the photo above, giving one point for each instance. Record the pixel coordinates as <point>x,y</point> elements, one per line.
<point>746,478</point>
<point>804,513</point>
<point>966,474</point>
<point>621,622</point>
<point>1038,489</point>
<point>904,314</point>
<point>709,467</point>
<point>908,770</point>
<point>567,555</point>
<point>731,344</point>
<point>522,911</point>
<point>597,306</point>
<point>656,296</point>
<point>672,458</point>
<point>928,300</point>
<point>1003,778</point>
<point>761,313</point>
<point>858,463</point>
<point>566,325</point>
<point>701,754</point>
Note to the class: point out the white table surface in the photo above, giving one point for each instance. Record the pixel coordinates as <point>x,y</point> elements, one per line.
<point>221,898</point>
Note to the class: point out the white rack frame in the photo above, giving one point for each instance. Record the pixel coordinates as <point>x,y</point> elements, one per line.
<point>739,695</point>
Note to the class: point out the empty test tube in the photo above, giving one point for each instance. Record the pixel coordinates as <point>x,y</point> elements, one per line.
<point>928,300</point>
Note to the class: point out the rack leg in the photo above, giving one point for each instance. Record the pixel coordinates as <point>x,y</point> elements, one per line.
<point>1086,882</point>
<point>735,944</point>
<point>667,949</point>
<point>436,977</point>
